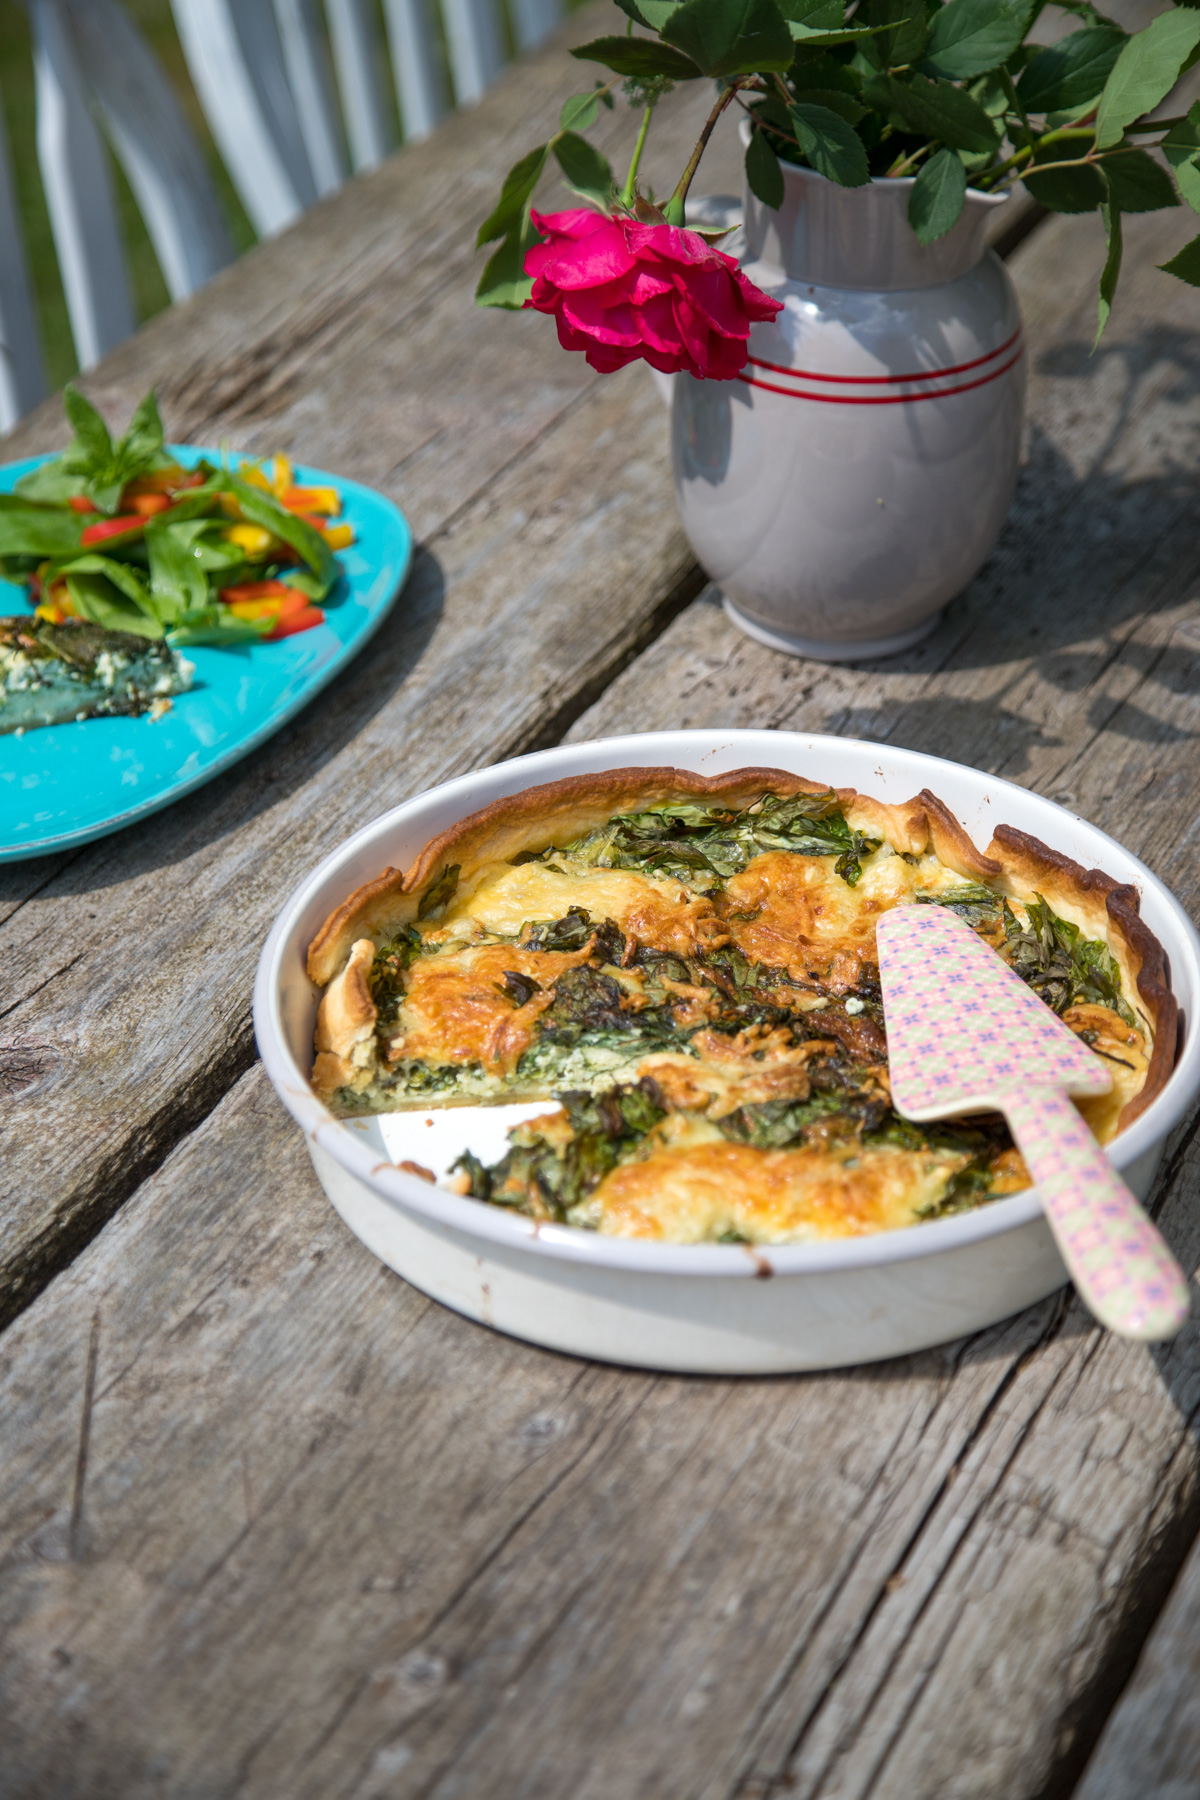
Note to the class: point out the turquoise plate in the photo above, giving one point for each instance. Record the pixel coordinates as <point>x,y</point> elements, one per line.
<point>63,785</point>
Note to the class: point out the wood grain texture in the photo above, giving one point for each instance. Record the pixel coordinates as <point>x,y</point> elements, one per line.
<point>1151,1744</point>
<point>551,554</point>
<point>273,1525</point>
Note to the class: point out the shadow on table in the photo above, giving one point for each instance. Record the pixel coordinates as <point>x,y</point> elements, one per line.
<point>269,774</point>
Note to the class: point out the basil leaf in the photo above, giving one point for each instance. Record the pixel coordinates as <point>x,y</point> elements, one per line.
<point>92,447</point>
<point>178,581</point>
<point>94,597</point>
<point>51,482</point>
<point>37,531</point>
<point>123,577</point>
<point>937,196</point>
<point>262,509</point>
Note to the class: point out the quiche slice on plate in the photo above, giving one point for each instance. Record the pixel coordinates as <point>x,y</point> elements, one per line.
<point>684,969</point>
<point>51,674</point>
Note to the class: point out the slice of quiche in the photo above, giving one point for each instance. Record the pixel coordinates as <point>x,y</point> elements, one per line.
<point>687,965</point>
<point>52,674</point>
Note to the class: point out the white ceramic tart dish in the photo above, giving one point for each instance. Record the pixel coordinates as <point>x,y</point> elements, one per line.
<point>701,1307</point>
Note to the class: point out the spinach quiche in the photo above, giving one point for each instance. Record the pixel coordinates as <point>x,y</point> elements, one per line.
<point>52,673</point>
<point>686,967</point>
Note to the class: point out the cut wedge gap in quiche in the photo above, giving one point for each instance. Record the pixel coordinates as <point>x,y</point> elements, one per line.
<point>684,968</point>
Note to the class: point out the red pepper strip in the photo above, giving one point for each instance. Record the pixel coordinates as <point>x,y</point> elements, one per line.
<point>81,504</point>
<point>109,528</point>
<point>258,590</point>
<point>294,622</point>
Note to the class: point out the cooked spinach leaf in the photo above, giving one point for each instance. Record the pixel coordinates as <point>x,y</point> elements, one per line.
<point>982,910</point>
<point>545,1175</point>
<point>694,842</point>
<point>439,894</point>
<point>1063,967</point>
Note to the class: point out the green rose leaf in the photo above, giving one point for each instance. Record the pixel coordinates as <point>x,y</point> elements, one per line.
<point>504,281</point>
<point>1181,147</point>
<point>1145,72</point>
<point>653,14</point>
<point>1078,190</point>
<point>969,37</point>
<point>1072,72</point>
<point>731,37</point>
<point>834,100</point>
<point>639,57</point>
<point>1185,263</point>
<point>1110,212</point>
<point>579,112</point>
<point>1138,183</point>
<point>937,196</point>
<point>817,69</point>
<point>763,173</point>
<point>901,24</point>
<point>589,173</point>
<point>934,109</point>
<point>519,184</point>
<point>832,146</point>
<point>814,15</point>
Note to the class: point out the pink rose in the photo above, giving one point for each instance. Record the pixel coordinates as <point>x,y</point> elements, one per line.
<point>620,290</point>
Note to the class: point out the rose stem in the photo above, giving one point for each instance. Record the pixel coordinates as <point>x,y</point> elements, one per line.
<point>627,191</point>
<point>673,211</point>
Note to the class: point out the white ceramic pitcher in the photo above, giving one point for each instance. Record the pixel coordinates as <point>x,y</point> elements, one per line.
<point>857,474</point>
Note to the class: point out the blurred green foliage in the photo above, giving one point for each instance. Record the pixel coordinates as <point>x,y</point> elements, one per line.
<point>16,90</point>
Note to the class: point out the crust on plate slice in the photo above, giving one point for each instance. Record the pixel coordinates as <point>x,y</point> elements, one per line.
<point>687,965</point>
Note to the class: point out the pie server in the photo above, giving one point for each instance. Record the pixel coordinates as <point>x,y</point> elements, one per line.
<point>966,1035</point>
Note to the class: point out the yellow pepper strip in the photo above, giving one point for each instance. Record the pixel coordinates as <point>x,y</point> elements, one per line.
<point>338,536</point>
<point>255,540</point>
<point>256,609</point>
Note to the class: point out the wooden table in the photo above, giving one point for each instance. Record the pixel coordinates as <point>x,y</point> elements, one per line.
<point>274,1524</point>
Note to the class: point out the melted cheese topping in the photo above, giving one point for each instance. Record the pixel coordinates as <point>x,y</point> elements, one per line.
<point>650,909</point>
<point>455,1009</point>
<point>797,913</point>
<point>692,1191</point>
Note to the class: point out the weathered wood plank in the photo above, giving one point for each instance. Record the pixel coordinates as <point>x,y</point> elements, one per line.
<point>1151,1745</point>
<point>272,1524</point>
<point>551,555</point>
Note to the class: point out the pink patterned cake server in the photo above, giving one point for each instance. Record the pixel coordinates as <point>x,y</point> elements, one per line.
<point>966,1035</point>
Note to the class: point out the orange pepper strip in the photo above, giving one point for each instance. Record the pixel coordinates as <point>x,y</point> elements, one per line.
<point>81,504</point>
<point>259,590</point>
<point>325,500</point>
<point>146,505</point>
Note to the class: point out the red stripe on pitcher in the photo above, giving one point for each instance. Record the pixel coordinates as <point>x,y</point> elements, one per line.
<point>876,380</point>
<point>964,387</point>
